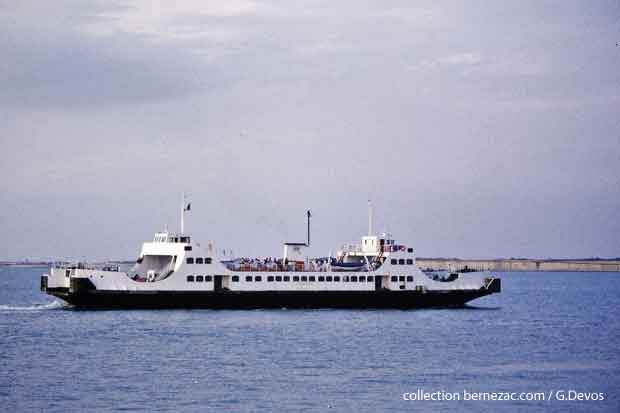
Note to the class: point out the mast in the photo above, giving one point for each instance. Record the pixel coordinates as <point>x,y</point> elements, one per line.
<point>183,214</point>
<point>309,216</point>
<point>369,218</point>
<point>185,206</point>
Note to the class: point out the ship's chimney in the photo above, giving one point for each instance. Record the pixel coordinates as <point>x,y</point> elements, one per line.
<point>309,215</point>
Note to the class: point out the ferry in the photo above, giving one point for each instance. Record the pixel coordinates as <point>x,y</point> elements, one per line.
<point>174,271</point>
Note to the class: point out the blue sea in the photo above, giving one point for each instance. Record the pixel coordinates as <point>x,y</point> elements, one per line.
<point>549,333</point>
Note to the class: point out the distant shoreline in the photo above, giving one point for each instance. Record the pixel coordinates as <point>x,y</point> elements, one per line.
<point>522,264</point>
<point>451,264</point>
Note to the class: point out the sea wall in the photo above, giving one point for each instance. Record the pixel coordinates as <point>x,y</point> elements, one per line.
<point>519,265</point>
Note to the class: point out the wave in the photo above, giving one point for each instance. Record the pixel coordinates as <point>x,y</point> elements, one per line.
<point>35,307</point>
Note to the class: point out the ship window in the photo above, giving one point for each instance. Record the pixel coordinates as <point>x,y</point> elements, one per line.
<point>198,260</point>
<point>190,278</point>
<point>353,278</point>
<point>208,278</point>
<point>393,261</point>
<point>248,278</point>
<point>235,278</point>
<point>278,278</point>
<point>199,278</point>
<point>394,278</point>
<point>410,250</point>
<point>409,278</point>
<point>409,261</point>
<point>345,278</point>
<point>208,260</point>
<point>187,248</point>
<point>362,279</point>
<point>270,279</point>
<point>304,279</point>
<point>287,278</point>
<point>401,261</point>
<point>296,278</point>
<point>258,278</point>
<point>337,278</point>
<point>189,260</point>
<point>328,279</point>
<point>370,278</point>
<point>311,278</point>
<point>321,279</point>
<point>401,278</point>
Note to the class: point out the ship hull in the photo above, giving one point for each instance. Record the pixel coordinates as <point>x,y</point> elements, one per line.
<point>268,299</point>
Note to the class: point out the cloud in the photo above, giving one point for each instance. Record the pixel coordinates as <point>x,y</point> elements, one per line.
<point>461,61</point>
<point>413,17</point>
<point>56,64</point>
<point>454,117</point>
<point>466,59</point>
<point>165,21</point>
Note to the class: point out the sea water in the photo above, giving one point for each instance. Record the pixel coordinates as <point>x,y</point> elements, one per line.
<point>546,333</point>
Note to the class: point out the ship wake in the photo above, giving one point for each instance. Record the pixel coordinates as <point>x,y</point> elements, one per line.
<point>56,304</point>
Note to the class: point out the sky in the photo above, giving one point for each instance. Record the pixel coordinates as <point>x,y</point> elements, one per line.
<point>478,129</point>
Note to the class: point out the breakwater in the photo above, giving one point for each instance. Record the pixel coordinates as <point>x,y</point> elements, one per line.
<point>455,264</point>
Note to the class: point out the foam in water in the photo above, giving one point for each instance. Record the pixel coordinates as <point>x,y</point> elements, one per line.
<point>35,307</point>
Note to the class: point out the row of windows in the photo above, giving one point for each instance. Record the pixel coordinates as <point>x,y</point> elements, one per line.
<point>401,278</point>
<point>199,278</point>
<point>401,261</point>
<point>199,260</point>
<point>303,278</point>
